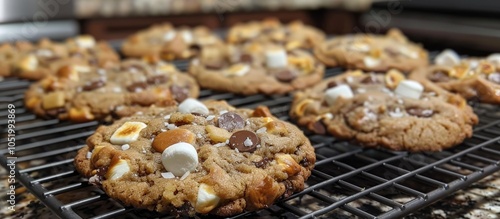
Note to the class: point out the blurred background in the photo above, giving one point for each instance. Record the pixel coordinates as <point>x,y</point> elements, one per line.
<point>471,27</point>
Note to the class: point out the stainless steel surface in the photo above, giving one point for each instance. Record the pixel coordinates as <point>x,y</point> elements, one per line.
<point>56,30</point>
<point>35,10</point>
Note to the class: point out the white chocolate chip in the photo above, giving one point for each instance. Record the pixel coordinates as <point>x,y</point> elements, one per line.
<point>447,57</point>
<point>371,62</point>
<point>276,58</point>
<point>180,158</point>
<point>167,175</point>
<point>409,89</point>
<point>118,170</point>
<point>191,105</point>
<point>171,126</point>
<point>85,41</point>
<point>169,35</point>
<point>333,93</point>
<point>167,117</point>
<point>127,133</point>
<point>207,199</point>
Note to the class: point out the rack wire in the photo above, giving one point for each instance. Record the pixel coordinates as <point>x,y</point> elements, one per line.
<point>347,181</point>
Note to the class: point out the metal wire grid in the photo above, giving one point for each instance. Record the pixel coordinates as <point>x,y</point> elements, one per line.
<point>348,181</point>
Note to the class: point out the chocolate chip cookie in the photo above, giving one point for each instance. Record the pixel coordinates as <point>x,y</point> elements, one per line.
<point>198,158</point>
<point>35,61</point>
<point>255,68</point>
<point>385,110</point>
<point>168,42</point>
<point>83,93</point>
<point>472,78</point>
<point>292,35</point>
<point>372,52</point>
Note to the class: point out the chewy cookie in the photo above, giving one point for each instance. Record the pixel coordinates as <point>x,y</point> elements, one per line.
<point>292,35</point>
<point>169,43</point>
<point>472,78</point>
<point>205,158</point>
<point>82,93</point>
<point>34,62</point>
<point>373,52</point>
<point>255,68</point>
<point>385,110</point>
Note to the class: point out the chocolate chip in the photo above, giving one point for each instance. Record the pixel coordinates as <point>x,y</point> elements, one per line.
<point>137,86</point>
<point>317,127</point>
<point>285,75</point>
<point>214,65</point>
<point>304,162</point>
<point>332,84</point>
<point>244,141</point>
<point>93,85</point>
<point>415,111</point>
<point>231,121</point>
<point>262,163</point>
<point>195,48</point>
<point>246,58</point>
<point>180,93</point>
<point>439,76</point>
<point>370,79</point>
<point>157,79</point>
<point>495,77</point>
<point>288,189</point>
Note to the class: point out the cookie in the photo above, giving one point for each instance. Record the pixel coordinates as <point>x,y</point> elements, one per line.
<point>372,52</point>
<point>34,62</point>
<point>83,93</point>
<point>386,110</point>
<point>472,78</point>
<point>168,42</point>
<point>293,35</point>
<point>198,158</point>
<point>255,68</point>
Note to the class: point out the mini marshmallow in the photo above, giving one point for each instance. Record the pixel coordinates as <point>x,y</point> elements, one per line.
<point>409,89</point>
<point>447,57</point>
<point>333,93</point>
<point>371,62</point>
<point>127,133</point>
<point>191,105</point>
<point>85,41</point>
<point>238,70</point>
<point>187,36</point>
<point>119,169</point>
<point>169,35</point>
<point>276,58</point>
<point>207,199</point>
<point>180,158</point>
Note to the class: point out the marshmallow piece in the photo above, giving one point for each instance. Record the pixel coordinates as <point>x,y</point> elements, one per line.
<point>187,36</point>
<point>85,41</point>
<point>127,133</point>
<point>28,63</point>
<point>238,70</point>
<point>180,158</point>
<point>494,58</point>
<point>276,58</point>
<point>207,199</point>
<point>371,62</point>
<point>191,105</point>
<point>117,170</point>
<point>333,93</point>
<point>169,35</point>
<point>409,89</point>
<point>447,57</point>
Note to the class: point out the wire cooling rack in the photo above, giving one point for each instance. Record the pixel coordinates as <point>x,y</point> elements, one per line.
<point>347,181</point>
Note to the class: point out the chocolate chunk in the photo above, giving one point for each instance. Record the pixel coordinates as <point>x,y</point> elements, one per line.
<point>494,77</point>
<point>157,79</point>
<point>93,85</point>
<point>304,162</point>
<point>180,93</point>
<point>214,65</point>
<point>231,121</point>
<point>288,189</point>
<point>285,75</point>
<point>262,163</point>
<point>137,86</point>
<point>415,111</point>
<point>439,76</point>
<point>195,48</point>
<point>332,84</point>
<point>317,127</point>
<point>246,58</point>
<point>244,141</point>
<point>370,79</point>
